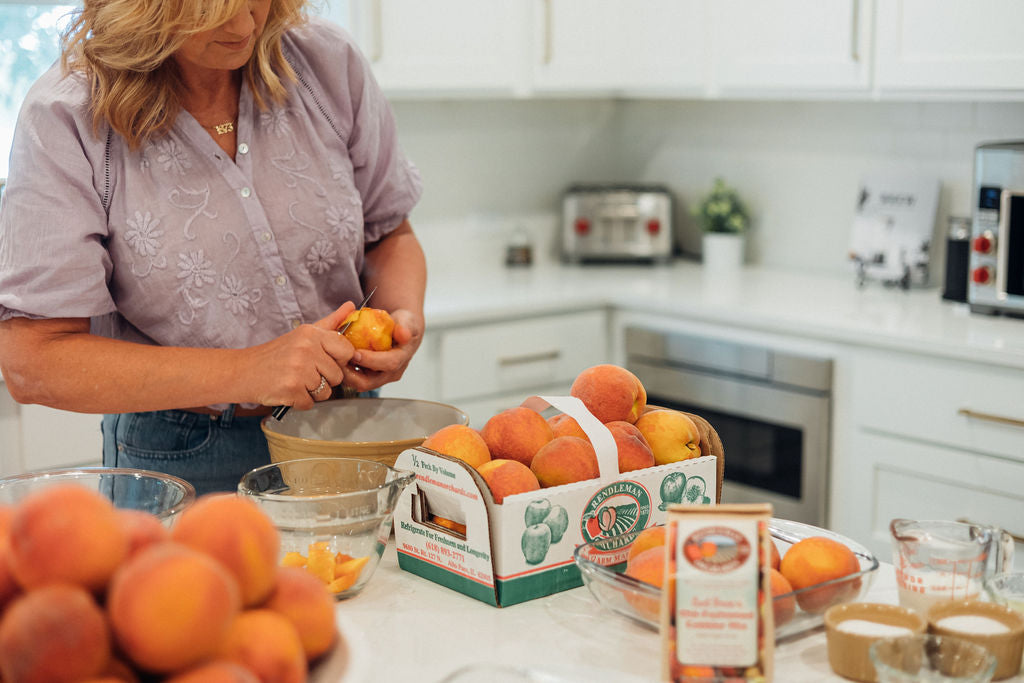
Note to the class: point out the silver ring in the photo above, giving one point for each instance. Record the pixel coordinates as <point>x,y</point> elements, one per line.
<point>320,387</point>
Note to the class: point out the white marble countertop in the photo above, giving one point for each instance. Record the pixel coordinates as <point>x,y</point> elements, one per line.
<point>405,628</point>
<point>808,306</point>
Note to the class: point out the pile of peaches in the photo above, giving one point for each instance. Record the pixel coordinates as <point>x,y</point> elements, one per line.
<point>93,592</point>
<point>519,450</point>
<point>809,562</point>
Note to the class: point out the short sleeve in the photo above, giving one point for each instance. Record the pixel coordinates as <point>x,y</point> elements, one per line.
<point>53,262</point>
<point>388,183</point>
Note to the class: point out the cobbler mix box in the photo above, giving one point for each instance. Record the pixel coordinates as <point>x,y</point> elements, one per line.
<point>523,548</point>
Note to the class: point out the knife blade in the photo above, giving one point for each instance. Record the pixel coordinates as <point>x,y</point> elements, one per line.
<point>280,411</point>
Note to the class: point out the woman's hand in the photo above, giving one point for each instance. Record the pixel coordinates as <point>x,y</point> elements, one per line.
<point>371,369</point>
<point>288,370</point>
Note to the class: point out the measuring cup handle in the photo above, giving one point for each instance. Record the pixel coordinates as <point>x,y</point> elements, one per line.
<point>1004,561</point>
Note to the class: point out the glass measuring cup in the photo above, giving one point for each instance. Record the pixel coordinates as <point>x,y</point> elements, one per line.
<point>938,560</point>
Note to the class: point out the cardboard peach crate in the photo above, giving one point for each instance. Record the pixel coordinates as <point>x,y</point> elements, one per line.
<point>505,557</point>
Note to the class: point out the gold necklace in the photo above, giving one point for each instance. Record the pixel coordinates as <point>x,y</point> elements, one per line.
<point>222,128</point>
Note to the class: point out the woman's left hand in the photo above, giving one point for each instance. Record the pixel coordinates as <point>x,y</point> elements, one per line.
<point>372,369</point>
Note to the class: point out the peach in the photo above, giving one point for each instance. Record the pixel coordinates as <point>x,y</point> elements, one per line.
<point>651,537</point>
<point>449,524</point>
<point>459,441</point>
<point>649,567</point>
<point>54,633</point>
<point>215,671</point>
<point>774,558</point>
<point>785,608</point>
<point>238,534</point>
<point>671,435</point>
<point>65,533</point>
<point>142,529</point>
<point>516,434</point>
<point>814,560</point>
<point>565,460</point>
<point>566,425</point>
<point>634,452</point>
<point>371,329</point>
<point>171,607</point>
<point>267,644</point>
<point>9,587</point>
<point>304,600</point>
<point>507,477</point>
<point>610,393</point>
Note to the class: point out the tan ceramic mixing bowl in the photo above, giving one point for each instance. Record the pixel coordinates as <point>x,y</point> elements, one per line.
<point>375,429</point>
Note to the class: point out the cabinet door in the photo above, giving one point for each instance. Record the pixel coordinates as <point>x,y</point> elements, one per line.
<point>950,44</point>
<point>446,45</point>
<point>59,438</point>
<point>614,45</point>
<point>792,44</point>
<point>900,478</point>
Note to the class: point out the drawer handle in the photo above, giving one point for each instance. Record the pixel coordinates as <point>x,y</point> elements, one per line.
<point>530,358</point>
<point>1015,537</point>
<point>989,417</point>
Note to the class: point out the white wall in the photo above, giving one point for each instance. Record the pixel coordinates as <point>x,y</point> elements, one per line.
<point>797,163</point>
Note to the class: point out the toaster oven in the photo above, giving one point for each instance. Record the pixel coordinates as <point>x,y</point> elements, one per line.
<point>996,261</point>
<point>617,222</point>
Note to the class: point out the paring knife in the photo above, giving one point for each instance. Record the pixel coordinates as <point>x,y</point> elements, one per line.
<point>281,411</point>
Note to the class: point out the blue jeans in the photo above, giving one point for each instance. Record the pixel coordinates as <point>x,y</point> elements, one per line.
<point>211,453</point>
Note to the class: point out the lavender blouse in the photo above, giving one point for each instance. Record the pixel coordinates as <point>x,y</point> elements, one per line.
<point>175,243</point>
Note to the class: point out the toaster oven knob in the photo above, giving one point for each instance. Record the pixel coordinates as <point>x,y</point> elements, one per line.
<point>983,243</point>
<point>982,275</point>
<point>582,226</point>
<point>653,226</point>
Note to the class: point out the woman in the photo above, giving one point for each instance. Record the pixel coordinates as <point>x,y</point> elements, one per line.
<point>196,196</point>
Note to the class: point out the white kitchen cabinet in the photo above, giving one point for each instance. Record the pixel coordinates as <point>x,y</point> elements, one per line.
<point>774,45</point>
<point>447,46</point>
<point>949,45</point>
<point>34,437</point>
<point>614,46</point>
<point>930,438</point>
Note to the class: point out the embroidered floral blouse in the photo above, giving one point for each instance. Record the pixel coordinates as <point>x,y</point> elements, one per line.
<point>176,243</point>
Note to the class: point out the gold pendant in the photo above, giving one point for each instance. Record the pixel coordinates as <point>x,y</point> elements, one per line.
<point>224,128</point>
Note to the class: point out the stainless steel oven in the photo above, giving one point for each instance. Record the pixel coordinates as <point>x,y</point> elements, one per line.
<point>770,407</point>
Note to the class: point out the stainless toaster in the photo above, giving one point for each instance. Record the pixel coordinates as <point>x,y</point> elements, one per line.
<point>617,222</point>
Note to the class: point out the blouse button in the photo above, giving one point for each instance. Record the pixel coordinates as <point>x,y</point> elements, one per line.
<point>266,237</point>
<point>242,148</point>
<point>245,192</point>
<point>296,323</point>
<point>279,280</point>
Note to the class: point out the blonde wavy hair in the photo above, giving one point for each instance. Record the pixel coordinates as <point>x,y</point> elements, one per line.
<point>124,48</point>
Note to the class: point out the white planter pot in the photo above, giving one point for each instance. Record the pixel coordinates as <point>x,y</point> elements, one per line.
<point>722,252</point>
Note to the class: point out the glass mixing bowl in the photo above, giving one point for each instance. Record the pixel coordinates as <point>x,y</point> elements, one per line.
<point>160,494</point>
<point>334,515</point>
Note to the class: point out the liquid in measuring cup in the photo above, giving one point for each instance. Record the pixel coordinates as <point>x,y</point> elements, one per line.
<point>938,561</point>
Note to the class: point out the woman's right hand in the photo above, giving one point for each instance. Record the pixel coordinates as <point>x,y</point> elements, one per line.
<point>287,370</point>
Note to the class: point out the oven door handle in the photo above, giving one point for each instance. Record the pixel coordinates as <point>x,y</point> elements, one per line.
<point>989,417</point>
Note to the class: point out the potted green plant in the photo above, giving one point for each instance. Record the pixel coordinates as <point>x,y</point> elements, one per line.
<point>724,220</point>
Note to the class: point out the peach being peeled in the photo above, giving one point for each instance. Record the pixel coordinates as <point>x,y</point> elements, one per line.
<point>459,441</point>
<point>565,460</point>
<point>610,393</point>
<point>634,452</point>
<point>371,329</point>
<point>516,434</point>
<point>671,435</point>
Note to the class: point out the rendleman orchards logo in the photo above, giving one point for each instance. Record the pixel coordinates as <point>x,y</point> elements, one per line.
<point>614,510</point>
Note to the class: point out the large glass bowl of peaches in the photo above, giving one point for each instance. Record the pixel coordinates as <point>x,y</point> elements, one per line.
<point>812,570</point>
<point>333,515</point>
